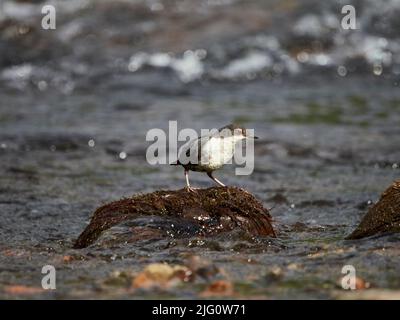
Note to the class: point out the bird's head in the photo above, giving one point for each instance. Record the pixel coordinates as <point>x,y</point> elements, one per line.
<point>236,131</point>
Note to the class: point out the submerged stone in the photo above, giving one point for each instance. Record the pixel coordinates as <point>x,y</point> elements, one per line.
<point>161,275</point>
<point>383,217</point>
<point>212,210</point>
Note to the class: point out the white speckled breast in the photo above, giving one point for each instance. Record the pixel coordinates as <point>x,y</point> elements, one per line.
<point>214,152</point>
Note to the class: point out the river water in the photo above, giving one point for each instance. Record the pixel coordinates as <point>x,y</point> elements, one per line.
<point>76,103</point>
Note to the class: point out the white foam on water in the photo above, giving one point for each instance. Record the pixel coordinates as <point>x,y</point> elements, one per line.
<point>250,63</point>
<point>188,67</point>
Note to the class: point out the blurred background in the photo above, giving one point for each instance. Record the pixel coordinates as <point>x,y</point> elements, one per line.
<point>76,104</point>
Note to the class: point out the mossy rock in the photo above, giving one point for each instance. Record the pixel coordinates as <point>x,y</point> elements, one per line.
<point>383,217</point>
<point>214,210</point>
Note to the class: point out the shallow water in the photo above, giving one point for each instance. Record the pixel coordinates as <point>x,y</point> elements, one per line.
<point>328,147</point>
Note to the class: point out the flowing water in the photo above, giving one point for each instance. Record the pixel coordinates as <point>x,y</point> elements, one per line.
<point>76,104</point>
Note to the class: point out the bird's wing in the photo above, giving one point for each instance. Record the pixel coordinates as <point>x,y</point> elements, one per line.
<point>188,149</point>
<point>195,147</point>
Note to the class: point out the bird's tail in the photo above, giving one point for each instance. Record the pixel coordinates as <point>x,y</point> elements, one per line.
<point>176,163</point>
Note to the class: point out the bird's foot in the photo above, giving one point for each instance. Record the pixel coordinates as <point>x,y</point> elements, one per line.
<point>244,190</point>
<point>191,189</point>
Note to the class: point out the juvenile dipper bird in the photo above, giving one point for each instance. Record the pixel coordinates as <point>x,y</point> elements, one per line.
<point>211,152</point>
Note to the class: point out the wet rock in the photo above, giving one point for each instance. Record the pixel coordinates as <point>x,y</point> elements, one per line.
<point>364,205</point>
<point>275,274</point>
<point>120,278</point>
<point>213,210</point>
<point>161,275</point>
<point>67,258</point>
<point>33,44</point>
<point>22,290</point>
<point>361,284</point>
<point>279,198</point>
<point>372,294</point>
<point>202,267</point>
<point>316,203</point>
<point>383,217</point>
<point>219,288</point>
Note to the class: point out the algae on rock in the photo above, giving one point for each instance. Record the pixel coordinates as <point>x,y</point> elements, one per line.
<point>382,217</point>
<point>214,210</point>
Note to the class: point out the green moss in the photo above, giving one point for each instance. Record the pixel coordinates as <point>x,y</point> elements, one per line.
<point>381,114</point>
<point>101,181</point>
<point>235,104</point>
<point>122,280</point>
<point>88,107</point>
<point>4,118</point>
<point>358,103</point>
<point>307,283</point>
<point>245,288</point>
<point>242,119</point>
<point>393,103</point>
<point>315,114</point>
<point>363,124</point>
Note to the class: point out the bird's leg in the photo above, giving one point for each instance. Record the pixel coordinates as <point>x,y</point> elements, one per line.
<point>215,179</point>
<point>188,187</point>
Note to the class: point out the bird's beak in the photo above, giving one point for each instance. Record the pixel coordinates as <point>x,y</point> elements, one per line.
<point>252,137</point>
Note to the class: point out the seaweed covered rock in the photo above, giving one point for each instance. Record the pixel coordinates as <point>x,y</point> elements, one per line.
<point>383,217</point>
<point>212,210</point>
